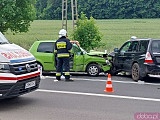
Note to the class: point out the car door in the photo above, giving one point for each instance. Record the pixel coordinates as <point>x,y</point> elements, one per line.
<point>45,55</point>
<point>130,55</point>
<point>120,56</point>
<point>77,59</point>
<point>126,54</point>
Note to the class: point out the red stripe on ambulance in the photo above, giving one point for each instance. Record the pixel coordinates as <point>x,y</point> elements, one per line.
<point>20,78</point>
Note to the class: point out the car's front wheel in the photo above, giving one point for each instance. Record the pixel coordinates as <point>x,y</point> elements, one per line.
<point>135,72</point>
<point>93,70</point>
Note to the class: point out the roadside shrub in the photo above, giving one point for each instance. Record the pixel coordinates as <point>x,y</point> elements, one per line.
<point>87,33</point>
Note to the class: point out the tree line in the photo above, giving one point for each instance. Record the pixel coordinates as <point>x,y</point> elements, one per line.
<point>101,9</point>
<point>17,15</point>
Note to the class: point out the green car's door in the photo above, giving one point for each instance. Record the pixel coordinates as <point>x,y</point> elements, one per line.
<point>45,55</point>
<point>78,59</point>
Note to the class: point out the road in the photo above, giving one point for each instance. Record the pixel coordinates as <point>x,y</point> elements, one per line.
<point>85,99</point>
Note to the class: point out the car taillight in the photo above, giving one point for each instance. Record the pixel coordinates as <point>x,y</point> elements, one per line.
<point>148,58</point>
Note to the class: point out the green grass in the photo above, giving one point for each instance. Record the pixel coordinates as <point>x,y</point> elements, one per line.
<point>114,32</point>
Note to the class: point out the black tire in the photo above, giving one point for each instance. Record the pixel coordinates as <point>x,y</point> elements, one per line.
<point>93,70</point>
<point>135,72</point>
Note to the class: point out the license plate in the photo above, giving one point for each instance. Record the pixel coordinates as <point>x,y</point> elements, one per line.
<point>30,84</point>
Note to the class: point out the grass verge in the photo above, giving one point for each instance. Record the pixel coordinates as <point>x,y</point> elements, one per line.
<point>114,31</point>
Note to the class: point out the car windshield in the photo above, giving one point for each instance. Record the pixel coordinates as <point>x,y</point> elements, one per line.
<point>81,49</point>
<point>84,52</point>
<point>3,40</point>
<point>155,46</point>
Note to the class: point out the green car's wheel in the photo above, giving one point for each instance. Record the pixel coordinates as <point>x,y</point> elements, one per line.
<point>93,70</point>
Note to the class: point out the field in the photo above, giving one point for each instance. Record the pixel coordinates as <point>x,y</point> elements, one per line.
<point>114,32</point>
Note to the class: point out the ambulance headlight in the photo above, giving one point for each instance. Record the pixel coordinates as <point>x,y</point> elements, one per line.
<point>4,67</point>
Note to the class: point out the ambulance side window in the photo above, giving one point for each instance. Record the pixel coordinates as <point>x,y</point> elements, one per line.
<point>46,47</point>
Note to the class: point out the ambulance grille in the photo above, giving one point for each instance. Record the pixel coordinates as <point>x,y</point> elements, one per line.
<point>24,68</point>
<point>19,88</point>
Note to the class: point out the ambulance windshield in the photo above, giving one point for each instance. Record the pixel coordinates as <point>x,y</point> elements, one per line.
<point>3,40</point>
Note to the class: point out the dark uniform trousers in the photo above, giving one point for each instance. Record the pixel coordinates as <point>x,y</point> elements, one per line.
<point>63,64</point>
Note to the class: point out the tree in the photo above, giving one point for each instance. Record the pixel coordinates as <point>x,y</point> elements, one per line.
<point>40,6</point>
<point>87,33</point>
<point>16,15</point>
<point>101,9</point>
<point>53,10</point>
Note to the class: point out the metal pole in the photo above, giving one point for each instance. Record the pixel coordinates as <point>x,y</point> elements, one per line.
<point>74,12</point>
<point>64,14</point>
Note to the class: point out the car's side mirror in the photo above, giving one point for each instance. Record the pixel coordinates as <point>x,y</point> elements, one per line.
<point>116,49</point>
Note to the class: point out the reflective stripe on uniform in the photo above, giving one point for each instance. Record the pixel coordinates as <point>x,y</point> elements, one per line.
<point>63,55</point>
<point>61,45</point>
<point>58,74</point>
<point>66,73</point>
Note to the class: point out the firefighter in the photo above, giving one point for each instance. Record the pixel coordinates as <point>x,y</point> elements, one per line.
<point>62,50</point>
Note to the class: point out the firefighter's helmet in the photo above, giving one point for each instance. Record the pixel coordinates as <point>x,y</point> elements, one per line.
<point>62,33</point>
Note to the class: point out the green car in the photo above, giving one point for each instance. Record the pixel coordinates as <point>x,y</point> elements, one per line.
<point>92,63</point>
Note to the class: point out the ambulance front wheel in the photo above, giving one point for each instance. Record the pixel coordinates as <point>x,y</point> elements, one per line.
<point>93,70</point>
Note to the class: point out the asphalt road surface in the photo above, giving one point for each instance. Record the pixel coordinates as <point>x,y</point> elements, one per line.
<point>85,99</point>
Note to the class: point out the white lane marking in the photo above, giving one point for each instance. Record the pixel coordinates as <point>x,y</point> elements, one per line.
<point>116,81</point>
<point>100,95</point>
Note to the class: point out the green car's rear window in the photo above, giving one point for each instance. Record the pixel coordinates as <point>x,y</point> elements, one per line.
<point>46,47</point>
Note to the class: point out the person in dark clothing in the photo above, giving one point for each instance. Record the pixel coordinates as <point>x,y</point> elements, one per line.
<point>62,50</point>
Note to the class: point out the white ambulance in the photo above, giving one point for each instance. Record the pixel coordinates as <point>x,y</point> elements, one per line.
<point>19,73</point>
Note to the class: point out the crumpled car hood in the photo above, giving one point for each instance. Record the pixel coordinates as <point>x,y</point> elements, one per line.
<point>97,53</point>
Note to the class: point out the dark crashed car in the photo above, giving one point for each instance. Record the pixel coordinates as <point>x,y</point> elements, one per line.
<point>138,57</point>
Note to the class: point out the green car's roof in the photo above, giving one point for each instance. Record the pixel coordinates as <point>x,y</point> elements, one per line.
<point>72,41</point>
<point>45,41</point>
